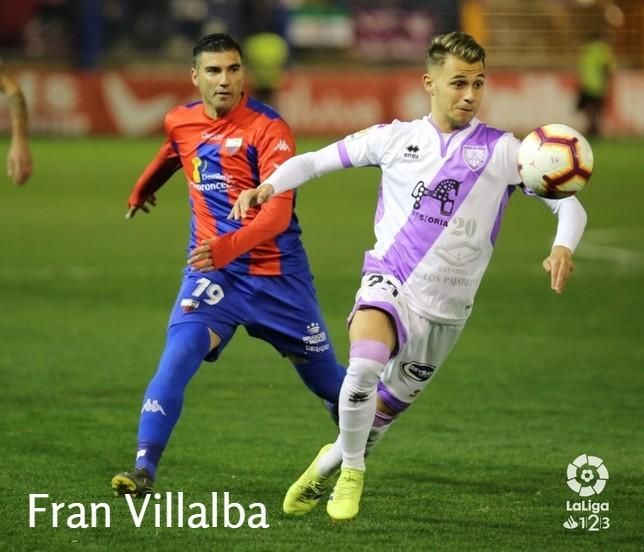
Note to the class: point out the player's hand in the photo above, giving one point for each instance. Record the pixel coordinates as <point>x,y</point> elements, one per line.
<point>201,257</point>
<point>19,162</point>
<point>145,207</point>
<point>250,198</point>
<point>559,264</point>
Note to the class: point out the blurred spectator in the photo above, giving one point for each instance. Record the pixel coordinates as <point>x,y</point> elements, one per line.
<point>50,32</point>
<point>266,50</point>
<point>266,56</point>
<point>596,66</point>
<point>19,156</point>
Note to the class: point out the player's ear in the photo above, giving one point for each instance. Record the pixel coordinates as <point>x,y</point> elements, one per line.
<point>428,84</point>
<point>193,76</point>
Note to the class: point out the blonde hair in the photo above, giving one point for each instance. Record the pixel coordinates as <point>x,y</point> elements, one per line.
<point>458,44</point>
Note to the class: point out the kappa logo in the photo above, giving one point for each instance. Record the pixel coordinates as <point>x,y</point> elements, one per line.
<point>282,146</point>
<point>152,405</point>
<point>141,453</point>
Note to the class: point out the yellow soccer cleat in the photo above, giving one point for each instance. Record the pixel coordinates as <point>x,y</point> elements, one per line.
<point>305,493</point>
<point>137,483</point>
<point>344,503</point>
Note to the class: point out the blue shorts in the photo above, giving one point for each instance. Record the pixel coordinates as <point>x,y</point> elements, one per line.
<point>281,310</point>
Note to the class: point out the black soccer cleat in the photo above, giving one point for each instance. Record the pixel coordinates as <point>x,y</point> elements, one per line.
<point>137,483</point>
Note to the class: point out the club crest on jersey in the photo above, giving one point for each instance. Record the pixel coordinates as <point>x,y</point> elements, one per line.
<point>232,145</point>
<point>474,156</point>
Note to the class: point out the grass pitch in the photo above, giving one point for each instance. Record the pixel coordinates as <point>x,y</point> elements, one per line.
<point>478,463</point>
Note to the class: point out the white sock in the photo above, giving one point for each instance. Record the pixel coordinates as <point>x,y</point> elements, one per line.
<point>331,461</point>
<point>357,408</point>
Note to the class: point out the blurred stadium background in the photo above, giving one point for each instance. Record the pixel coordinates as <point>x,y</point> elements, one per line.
<point>114,67</point>
<point>479,463</point>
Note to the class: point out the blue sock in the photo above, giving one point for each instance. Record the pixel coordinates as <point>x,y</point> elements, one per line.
<point>186,347</point>
<point>324,377</point>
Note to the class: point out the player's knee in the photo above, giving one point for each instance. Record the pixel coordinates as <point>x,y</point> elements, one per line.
<point>388,404</point>
<point>186,347</point>
<point>191,339</point>
<point>365,373</point>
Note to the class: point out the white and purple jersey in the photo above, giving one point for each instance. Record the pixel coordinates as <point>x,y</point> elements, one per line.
<point>440,204</point>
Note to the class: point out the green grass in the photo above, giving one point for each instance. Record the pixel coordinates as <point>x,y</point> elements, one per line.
<point>479,462</point>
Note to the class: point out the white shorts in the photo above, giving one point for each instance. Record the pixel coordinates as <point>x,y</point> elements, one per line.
<point>423,345</point>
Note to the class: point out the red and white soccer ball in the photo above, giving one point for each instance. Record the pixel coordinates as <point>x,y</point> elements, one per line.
<point>555,161</point>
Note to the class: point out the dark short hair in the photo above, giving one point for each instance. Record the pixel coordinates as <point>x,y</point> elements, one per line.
<point>215,42</point>
<point>460,45</point>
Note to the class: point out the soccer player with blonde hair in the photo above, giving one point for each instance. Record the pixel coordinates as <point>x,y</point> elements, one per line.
<point>446,180</point>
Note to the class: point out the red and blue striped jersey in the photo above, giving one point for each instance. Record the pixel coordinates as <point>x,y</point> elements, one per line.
<point>220,158</point>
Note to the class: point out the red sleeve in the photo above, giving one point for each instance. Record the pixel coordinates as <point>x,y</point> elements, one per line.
<point>272,219</point>
<point>275,145</point>
<point>156,174</point>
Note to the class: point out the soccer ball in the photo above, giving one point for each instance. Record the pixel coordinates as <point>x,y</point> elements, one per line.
<point>555,161</point>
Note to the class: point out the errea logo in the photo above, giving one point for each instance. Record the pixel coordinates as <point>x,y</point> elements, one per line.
<point>412,152</point>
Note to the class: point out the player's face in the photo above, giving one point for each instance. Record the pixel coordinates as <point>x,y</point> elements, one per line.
<point>456,90</point>
<point>220,79</point>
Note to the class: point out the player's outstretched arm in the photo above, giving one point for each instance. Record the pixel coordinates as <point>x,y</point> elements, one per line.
<point>156,174</point>
<point>289,175</point>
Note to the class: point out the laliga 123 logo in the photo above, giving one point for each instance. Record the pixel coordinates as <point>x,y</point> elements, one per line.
<point>587,475</point>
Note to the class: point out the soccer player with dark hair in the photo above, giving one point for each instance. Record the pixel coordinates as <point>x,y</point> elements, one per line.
<point>252,273</point>
<point>446,180</point>
<point>19,166</point>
